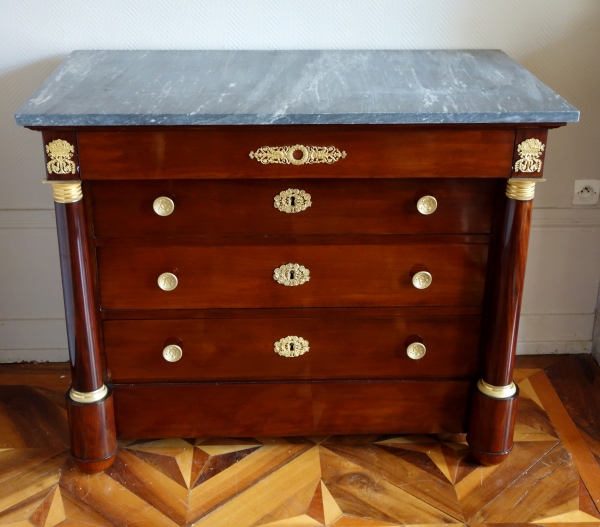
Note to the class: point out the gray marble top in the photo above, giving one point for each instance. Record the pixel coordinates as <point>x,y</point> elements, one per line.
<point>114,88</point>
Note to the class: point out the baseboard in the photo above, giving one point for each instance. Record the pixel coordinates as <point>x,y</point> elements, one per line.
<point>564,327</point>
<point>554,348</point>
<point>596,337</point>
<point>37,355</point>
<point>575,218</point>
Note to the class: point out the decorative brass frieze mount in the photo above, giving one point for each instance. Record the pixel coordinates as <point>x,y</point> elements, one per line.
<point>529,152</point>
<point>60,153</point>
<point>285,155</point>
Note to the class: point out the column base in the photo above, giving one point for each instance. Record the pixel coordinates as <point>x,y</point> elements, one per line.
<point>93,467</point>
<point>491,427</point>
<point>92,432</point>
<point>487,459</point>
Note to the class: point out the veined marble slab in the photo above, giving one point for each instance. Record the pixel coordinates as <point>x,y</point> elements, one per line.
<point>129,88</point>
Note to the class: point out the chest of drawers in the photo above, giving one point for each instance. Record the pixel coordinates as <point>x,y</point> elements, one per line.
<point>345,258</point>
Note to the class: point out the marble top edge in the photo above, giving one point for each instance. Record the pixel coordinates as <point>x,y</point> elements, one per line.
<point>264,87</point>
<point>265,120</point>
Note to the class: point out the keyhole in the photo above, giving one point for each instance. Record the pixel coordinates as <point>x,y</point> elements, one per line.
<point>292,273</point>
<point>293,201</point>
<point>291,346</point>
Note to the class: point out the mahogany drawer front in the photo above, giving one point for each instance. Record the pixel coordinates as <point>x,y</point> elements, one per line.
<point>222,152</point>
<point>245,207</point>
<point>288,409</point>
<point>244,349</point>
<point>341,275</point>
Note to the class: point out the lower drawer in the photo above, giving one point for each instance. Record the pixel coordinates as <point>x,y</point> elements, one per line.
<point>244,349</point>
<point>342,272</point>
<point>288,409</point>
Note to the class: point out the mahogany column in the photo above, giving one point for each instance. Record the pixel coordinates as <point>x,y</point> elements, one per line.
<point>494,403</point>
<point>89,401</point>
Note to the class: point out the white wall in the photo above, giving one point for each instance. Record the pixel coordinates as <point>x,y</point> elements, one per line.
<point>558,40</point>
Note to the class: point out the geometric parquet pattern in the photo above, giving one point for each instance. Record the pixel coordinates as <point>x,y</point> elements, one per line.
<point>341,481</point>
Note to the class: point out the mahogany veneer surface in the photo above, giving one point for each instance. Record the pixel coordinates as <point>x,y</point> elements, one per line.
<point>222,152</point>
<point>341,274</point>
<point>338,206</point>
<point>362,240</point>
<point>295,408</point>
<point>340,348</point>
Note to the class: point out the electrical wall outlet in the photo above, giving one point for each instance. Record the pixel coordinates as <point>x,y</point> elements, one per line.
<point>586,192</point>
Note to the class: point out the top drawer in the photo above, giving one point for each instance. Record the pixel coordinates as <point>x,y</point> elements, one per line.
<point>222,152</point>
<point>264,207</point>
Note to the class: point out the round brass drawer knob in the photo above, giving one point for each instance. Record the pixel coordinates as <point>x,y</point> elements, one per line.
<point>163,206</point>
<point>422,280</point>
<point>167,281</point>
<point>416,350</point>
<point>427,205</point>
<point>172,353</point>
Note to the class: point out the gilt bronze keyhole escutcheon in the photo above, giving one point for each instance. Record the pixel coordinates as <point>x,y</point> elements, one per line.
<point>291,274</point>
<point>292,200</point>
<point>291,346</point>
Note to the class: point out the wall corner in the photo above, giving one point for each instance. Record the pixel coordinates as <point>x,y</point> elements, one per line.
<point>596,333</point>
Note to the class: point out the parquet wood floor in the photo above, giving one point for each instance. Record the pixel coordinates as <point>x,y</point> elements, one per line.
<point>551,478</point>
